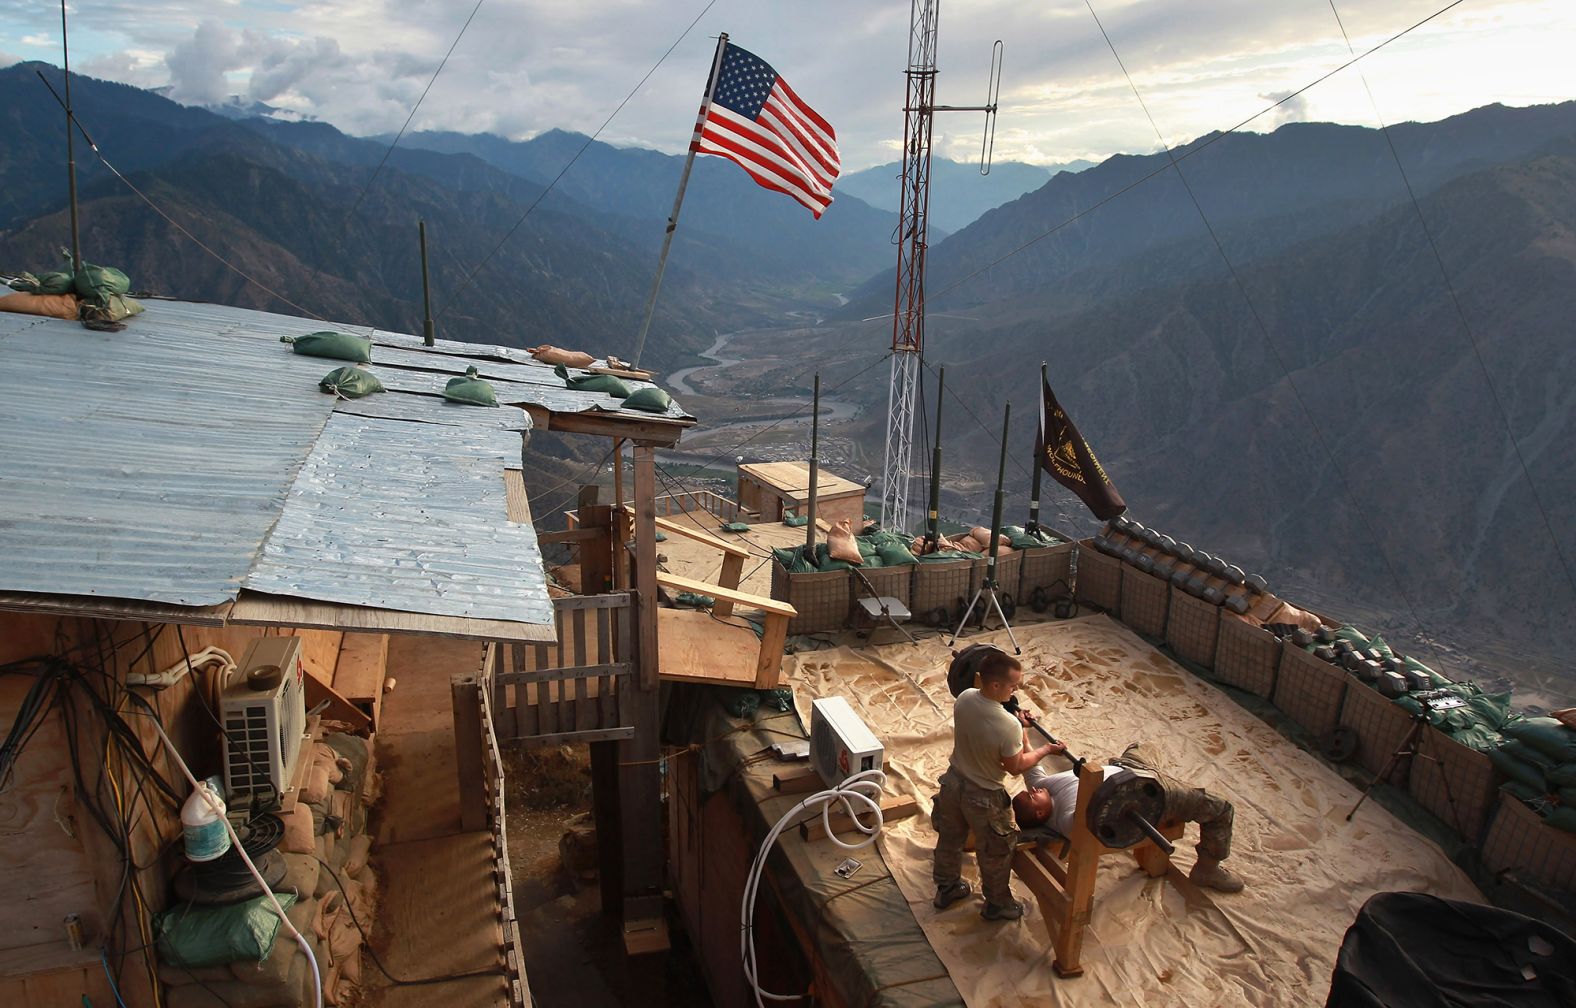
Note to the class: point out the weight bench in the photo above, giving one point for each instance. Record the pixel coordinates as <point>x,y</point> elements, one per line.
<point>1063,882</point>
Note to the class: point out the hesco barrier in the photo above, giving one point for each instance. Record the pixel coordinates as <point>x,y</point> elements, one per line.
<point>1009,570</point>
<point>1309,690</point>
<point>1519,839</point>
<point>896,582</point>
<point>1099,580</point>
<point>821,598</point>
<point>1146,601</point>
<point>1457,783</point>
<point>1048,568</point>
<point>940,585</point>
<point>1191,628</point>
<point>1381,727</point>
<point>1246,655</point>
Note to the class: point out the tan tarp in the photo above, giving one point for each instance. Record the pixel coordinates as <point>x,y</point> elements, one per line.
<point>1149,943</point>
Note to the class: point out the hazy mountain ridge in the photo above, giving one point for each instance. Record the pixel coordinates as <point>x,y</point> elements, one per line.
<point>959,194</point>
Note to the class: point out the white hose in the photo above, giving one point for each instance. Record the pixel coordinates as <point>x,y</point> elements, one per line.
<point>217,808</point>
<point>859,793</point>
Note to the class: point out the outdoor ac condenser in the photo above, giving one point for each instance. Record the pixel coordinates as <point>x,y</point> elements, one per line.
<point>840,743</point>
<point>264,716</point>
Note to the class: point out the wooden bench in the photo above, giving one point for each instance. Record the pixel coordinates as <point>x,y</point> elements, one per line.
<point>1063,883</point>
<point>777,614</point>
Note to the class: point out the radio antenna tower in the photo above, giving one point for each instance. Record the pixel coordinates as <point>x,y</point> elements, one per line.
<point>908,313</point>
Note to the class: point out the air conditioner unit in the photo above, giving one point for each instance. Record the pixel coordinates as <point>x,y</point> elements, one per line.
<point>840,744</point>
<point>263,710</point>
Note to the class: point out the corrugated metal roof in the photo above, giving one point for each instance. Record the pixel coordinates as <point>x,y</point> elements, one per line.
<point>161,464</point>
<point>406,516</point>
<point>145,464</point>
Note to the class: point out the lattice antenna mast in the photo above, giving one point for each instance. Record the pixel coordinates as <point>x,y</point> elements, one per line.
<point>908,313</point>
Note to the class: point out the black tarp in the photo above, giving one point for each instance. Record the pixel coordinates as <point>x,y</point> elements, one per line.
<point>1413,950</point>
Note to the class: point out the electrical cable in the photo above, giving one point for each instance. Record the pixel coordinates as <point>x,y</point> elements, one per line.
<point>470,277</point>
<point>858,794</point>
<point>1198,148</point>
<point>114,988</point>
<point>1466,326</point>
<point>235,841</point>
<point>1329,455</point>
<point>388,153</point>
<point>366,941</point>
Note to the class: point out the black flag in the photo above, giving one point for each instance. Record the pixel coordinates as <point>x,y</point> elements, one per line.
<point>1066,456</point>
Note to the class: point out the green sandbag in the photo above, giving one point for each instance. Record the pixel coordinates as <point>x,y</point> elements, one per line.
<point>1547,735</point>
<point>895,555</point>
<point>1529,796</point>
<point>694,600</point>
<point>794,560</point>
<point>741,703</point>
<point>44,283</point>
<point>1527,753</point>
<point>350,383</point>
<point>825,562</point>
<point>1378,644</point>
<point>871,562</point>
<point>1435,678</point>
<point>112,308</point>
<point>1022,540</point>
<point>865,546</point>
<point>942,555</point>
<point>779,699</point>
<point>660,537</point>
<point>191,936</point>
<point>470,390</point>
<point>734,527</point>
<point>603,383</point>
<point>1523,773</point>
<point>1567,796</point>
<point>652,400</point>
<point>1563,818</point>
<point>336,345</point>
<point>1563,776</point>
<point>1354,636</point>
<point>799,522</point>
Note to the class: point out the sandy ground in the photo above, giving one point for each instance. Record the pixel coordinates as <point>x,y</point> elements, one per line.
<point>1150,942</point>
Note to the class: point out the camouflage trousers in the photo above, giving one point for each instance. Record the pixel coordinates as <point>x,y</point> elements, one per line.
<point>1187,804</point>
<point>960,806</point>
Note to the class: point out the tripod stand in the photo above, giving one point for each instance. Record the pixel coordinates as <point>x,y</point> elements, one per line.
<point>1409,747</point>
<point>987,589</point>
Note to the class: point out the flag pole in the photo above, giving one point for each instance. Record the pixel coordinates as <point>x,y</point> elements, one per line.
<point>678,200</point>
<point>815,435</point>
<point>1033,527</point>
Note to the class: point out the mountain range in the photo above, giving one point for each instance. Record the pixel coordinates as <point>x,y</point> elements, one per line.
<point>1277,354</point>
<point>959,193</point>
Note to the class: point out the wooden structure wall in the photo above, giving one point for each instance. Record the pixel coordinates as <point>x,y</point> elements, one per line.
<point>58,859</point>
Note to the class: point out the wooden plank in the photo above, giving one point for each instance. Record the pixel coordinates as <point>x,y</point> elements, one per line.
<point>697,648</point>
<point>516,505</point>
<point>578,716</point>
<point>568,536</point>
<point>91,606</point>
<point>769,660</point>
<point>662,433</point>
<point>570,674</point>
<point>893,809</point>
<point>604,653</point>
<point>258,609</point>
<point>361,669</point>
<point>575,737</point>
<point>799,780</point>
<point>767,605</point>
<point>640,778</point>
<point>696,534</point>
<point>469,764</point>
<point>315,691</point>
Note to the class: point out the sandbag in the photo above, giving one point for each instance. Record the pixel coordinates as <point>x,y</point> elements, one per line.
<point>798,521</point>
<point>98,283</point>
<point>793,560</point>
<point>1546,735</point>
<point>113,308</point>
<point>840,543</point>
<point>1023,539</point>
<point>652,400</point>
<point>1563,817</point>
<point>470,390</point>
<point>298,836</point>
<point>45,283</point>
<point>606,384</point>
<point>60,306</point>
<point>734,527</point>
<point>549,354</point>
<point>895,554</point>
<point>1519,770</point>
<point>189,935</point>
<point>350,383</point>
<point>824,561</point>
<point>335,345</point>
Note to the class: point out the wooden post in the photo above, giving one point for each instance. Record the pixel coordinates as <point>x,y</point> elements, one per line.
<point>609,842</point>
<point>596,554</point>
<point>620,535</point>
<point>1083,861</point>
<point>468,758</point>
<point>639,777</point>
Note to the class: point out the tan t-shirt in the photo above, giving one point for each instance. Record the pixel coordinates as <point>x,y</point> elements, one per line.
<point>983,734</point>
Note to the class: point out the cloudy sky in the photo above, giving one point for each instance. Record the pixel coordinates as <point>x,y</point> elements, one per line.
<point>529,65</point>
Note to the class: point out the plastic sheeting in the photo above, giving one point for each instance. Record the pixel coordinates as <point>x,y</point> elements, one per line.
<point>1150,942</point>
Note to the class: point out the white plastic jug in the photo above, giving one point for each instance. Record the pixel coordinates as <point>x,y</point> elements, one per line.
<point>202,824</point>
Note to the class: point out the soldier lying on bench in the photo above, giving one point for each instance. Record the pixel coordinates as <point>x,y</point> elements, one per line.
<point>1050,800</point>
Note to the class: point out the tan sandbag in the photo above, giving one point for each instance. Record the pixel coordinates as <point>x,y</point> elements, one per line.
<point>359,849</point>
<point>298,831</point>
<point>317,787</point>
<point>549,354</point>
<point>60,306</point>
<point>1289,613</point>
<point>840,543</point>
<point>980,534</point>
<point>339,808</point>
<point>278,968</point>
<point>326,757</point>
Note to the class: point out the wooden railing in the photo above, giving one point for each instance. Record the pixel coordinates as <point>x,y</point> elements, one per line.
<point>550,694</point>
<point>697,500</point>
<point>481,794</point>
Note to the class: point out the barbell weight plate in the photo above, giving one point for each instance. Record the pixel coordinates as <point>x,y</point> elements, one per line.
<point>1257,583</point>
<point>1238,604</point>
<point>1234,574</point>
<point>1121,796</point>
<point>1214,595</point>
<point>1144,562</point>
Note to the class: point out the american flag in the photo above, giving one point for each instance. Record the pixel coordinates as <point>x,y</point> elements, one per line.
<point>757,121</point>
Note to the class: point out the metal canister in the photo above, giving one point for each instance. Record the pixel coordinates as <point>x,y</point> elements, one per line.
<point>75,936</point>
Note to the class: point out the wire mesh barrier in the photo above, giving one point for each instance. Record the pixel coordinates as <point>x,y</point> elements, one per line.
<point>943,585</point>
<point>1381,728</point>
<point>1192,625</point>
<point>1099,581</point>
<point>820,598</point>
<point>1309,690</point>
<point>1454,782</point>
<point>1046,570</point>
<point>882,582</point>
<point>1519,840</point>
<point>1145,602</point>
<point>1246,655</point>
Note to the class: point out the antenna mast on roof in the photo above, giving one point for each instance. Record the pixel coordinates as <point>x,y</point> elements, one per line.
<point>908,314</point>
<point>71,148</point>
